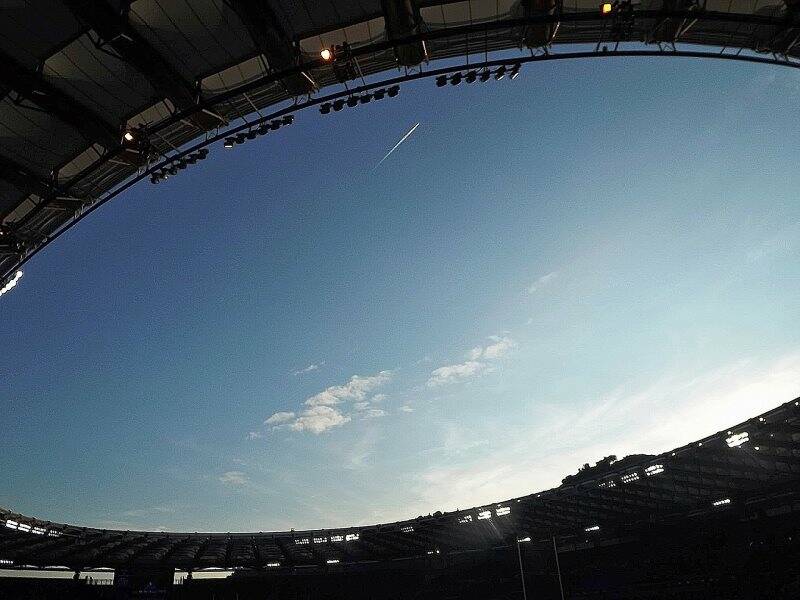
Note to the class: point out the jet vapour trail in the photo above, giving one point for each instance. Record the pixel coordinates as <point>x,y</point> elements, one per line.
<point>397,145</point>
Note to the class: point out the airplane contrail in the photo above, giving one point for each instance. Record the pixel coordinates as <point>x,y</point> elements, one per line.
<point>397,145</point>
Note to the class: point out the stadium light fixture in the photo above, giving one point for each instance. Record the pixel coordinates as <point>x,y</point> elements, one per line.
<point>503,511</point>
<point>365,99</point>
<point>252,134</point>
<point>9,285</point>
<point>274,564</point>
<point>332,561</point>
<point>606,8</point>
<point>721,502</point>
<point>471,77</point>
<point>592,528</point>
<point>407,529</point>
<point>229,142</point>
<point>325,108</point>
<point>4,561</point>
<point>653,470</point>
<point>485,76</point>
<point>524,540</point>
<point>352,101</point>
<point>128,136</point>
<point>514,72</point>
<point>737,439</point>
<point>339,104</point>
<point>500,73</point>
<point>484,514</point>
<point>393,91</point>
<point>240,138</point>
<point>455,79</point>
<point>441,81</point>
<point>287,120</point>
<point>326,54</point>
<point>379,94</point>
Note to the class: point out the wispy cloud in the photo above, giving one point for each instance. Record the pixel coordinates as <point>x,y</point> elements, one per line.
<point>319,419</point>
<point>541,282</point>
<point>455,373</point>
<point>233,479</point>
<point>406,409</point>
<point>279,418</point>
<point>355,389</point>
<point>478,362</point>
<point>654,418</point>
<point>308,369</point>
<point>321,411</point>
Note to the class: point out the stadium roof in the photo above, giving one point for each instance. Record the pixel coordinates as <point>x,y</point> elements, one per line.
<point>748,471</point>
<point>77,74</point>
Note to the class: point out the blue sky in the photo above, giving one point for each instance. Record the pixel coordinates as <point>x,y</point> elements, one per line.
<point>599,257</point>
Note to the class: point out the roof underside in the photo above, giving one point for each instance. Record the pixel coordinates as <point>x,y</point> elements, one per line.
<point>750,471</point>
<point>75,73</point>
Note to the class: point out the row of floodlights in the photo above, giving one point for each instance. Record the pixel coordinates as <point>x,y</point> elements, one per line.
<point>500,511</point>
<point>4,561</point>
<point>482,76</point>
<point>173,167</point>
<point>632,476</point>
<point>737,439</point>
<point>26,528</point>
<point>350,537</point>
<point>263,129</point>
<point>356,99</point>
<point>11,283</point>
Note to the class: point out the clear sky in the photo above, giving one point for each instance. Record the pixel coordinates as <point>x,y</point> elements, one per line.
<point>599,257</point>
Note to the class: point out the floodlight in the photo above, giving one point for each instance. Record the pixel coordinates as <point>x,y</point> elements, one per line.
<point>173,170</point>
<point>379,94</point>
<point>606,8</point>
<point>485,75</point>
<point>229,142</point>
<point>352,101</point>
<point>252,134</point>
<point>500,73</point>
<point>441,81</point>
<point>339,104</point>
<point>275,125</point>
<point>128,135</point>
<point>154,178</point>
<point>325,108</point>
<point>240,138</point>
<point>9,285</point>
<point>365,99</point>
<point>393,91</point>
<point>514,72</point>
<point>326,54</point>
<point>471,77</point>
<point>180,163</point>
<point>288,119</point>
<point>455,79</point>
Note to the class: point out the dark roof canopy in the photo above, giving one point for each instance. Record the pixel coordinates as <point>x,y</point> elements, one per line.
<point>749,471</point>
<point>75,74</point>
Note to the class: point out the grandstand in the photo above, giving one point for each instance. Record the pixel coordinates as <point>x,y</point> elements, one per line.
<point>717,518</point>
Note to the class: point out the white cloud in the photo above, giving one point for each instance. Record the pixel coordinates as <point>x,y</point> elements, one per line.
<point>254,435</point>
<point>361,405</point>
<point>542,282</point>
<point>477,363</point>
<point>318,419</point>
<point>308,369</point>
<point>379,398</point>
<point>406,409</point>
<point>234,478</point>
<point>499,348</point>
<point>279,418</point>
<point>355,389</point>
<point>374,413</point>
<point>455,373</point>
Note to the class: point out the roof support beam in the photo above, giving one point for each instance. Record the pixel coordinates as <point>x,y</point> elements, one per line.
<point>20,177</point>
<point>403,20</point>
<point>115,30</point>
<point>272,41</point>
<point>34,88</point>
